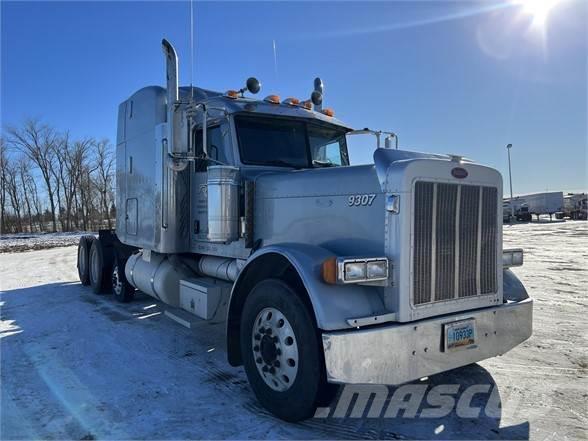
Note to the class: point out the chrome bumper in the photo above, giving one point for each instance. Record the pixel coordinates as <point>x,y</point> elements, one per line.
<point>404,352</point>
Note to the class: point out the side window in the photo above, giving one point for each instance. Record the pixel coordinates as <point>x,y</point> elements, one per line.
<point>216,143</point>
<point>330,153</point>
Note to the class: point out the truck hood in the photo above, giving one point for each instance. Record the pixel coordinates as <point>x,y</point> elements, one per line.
<point>339,208</point>
<point>332,181</point>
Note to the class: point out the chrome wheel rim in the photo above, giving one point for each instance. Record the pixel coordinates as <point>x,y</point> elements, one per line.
<point>116,282</point>
<point>275,350</point>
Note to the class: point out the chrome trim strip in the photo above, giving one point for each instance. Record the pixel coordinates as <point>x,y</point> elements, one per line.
<point>457,233</point>
<point>434,243</point>
<point>479,244</point>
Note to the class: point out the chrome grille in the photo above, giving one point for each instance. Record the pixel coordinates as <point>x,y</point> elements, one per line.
<point>454,241</point>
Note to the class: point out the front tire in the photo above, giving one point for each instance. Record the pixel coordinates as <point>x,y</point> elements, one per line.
<point>281,351</point>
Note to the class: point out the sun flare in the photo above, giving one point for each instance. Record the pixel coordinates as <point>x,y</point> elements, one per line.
<point>538,9</point>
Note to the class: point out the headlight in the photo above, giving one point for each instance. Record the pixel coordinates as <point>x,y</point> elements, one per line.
<point>341,270</point>
<point>512,258</point>
<point>354,271</point>
<point>377,269</point>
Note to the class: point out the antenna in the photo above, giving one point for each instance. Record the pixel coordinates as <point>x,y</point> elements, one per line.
<point>275,59</point>
<point>191,50</point>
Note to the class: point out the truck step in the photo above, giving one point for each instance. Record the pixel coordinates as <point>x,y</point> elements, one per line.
<point>184,318</point>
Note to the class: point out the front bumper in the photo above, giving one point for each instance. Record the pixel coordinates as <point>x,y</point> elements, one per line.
<point>404,352</point>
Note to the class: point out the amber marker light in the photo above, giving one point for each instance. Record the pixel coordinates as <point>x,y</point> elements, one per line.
<point>273,99</point>
<point>232,94</point>
<point>329,270</point>
<point>329,112</point>
<point>291,101</point>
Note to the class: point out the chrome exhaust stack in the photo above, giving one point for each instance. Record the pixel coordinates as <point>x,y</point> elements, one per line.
<point>171,72</point>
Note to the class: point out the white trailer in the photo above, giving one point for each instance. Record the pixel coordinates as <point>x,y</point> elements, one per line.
<point>538,203</point>
<point>576,206</point>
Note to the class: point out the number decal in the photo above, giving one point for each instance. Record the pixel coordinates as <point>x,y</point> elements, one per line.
<point>360,200</point>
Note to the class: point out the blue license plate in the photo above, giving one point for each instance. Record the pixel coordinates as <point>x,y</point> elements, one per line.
<point>459,335</point>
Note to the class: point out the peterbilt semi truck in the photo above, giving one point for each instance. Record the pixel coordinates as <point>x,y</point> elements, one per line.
<point>247,211</point>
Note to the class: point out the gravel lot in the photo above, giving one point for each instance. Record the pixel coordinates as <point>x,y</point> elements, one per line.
<point>79,366</point>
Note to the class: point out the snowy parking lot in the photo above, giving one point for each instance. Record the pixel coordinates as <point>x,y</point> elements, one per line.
<point>79,366</point>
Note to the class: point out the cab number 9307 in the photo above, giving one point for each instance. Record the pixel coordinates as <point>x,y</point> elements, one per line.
<point>358,200</point>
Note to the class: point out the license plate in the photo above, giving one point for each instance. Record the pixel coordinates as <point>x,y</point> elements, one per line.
<point>459,335</point>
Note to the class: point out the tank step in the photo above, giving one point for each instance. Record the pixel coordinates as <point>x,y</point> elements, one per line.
<point>183,318</point>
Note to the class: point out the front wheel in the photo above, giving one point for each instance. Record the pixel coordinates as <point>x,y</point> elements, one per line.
<point>281,351</point>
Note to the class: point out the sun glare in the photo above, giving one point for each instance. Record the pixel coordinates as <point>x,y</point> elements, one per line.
<point>538,9</point>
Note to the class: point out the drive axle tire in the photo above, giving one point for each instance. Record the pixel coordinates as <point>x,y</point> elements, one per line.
<point>100,267</point>
<point>122,290</point>
<point>84,246</point>
<point>281,351</point>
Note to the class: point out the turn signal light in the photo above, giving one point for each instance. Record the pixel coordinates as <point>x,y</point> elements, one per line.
<point>274,99</point>
<point>329,270</point>
<point>328,112</point>
<point>232,94</point>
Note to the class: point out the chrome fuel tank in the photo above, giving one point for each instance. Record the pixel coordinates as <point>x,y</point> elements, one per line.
<point>223,203</point>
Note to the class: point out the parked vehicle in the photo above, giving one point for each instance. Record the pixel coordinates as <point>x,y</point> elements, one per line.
<point>576,206</point>
<point>536,204</point>
<point>244,210</point>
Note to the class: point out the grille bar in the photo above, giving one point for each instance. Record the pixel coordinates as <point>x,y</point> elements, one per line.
<point>454,241</point>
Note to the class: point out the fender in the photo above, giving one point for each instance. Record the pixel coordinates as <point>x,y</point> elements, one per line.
<point>331,305</point>
<point>513,288</point>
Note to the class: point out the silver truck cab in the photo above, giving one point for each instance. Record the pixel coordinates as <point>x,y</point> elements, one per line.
<point>245,210</point>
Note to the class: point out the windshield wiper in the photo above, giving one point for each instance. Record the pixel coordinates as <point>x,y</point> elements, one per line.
<point>319,163</point>
<point>281,163</point>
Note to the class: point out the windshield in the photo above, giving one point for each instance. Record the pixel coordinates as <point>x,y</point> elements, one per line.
<point>290,143</point>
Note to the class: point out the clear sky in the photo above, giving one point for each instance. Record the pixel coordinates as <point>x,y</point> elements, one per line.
<point>460,77</point>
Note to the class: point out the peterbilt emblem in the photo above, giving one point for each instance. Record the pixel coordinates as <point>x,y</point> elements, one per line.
<point>459,173</point>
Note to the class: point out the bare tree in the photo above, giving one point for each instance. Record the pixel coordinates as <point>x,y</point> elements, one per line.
<point>46,176</point>
<point>3,165</point>
<point>12,188</point>
<point>104,176</point>
<point>37,141</point>
<point>23,167</point>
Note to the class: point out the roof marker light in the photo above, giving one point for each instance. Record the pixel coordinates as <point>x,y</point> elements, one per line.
<point>273,99</point>
<point>234,94</point>
<point>307,104</point>
<point>328,112</point>
<point>291,101</point>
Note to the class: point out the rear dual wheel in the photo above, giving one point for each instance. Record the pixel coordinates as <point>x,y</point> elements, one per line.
<point>100,267</point>
<point>103,268</point>
<point>122,290</point>
<point>83,265</point>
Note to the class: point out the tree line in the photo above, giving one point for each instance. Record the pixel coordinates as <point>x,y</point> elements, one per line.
<point>50,182</point>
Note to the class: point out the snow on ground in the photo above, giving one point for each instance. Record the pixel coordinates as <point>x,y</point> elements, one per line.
<point>76,365</point>
<point>11,243</point>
